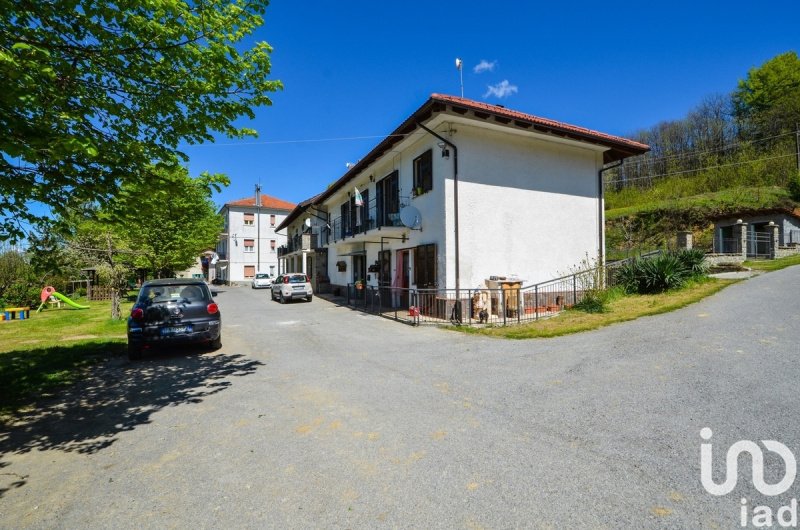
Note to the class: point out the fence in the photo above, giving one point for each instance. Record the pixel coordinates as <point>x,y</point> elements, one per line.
<point>501,306</point>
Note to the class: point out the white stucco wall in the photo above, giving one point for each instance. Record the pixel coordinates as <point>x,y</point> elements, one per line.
<point>238,232</point>
<point>527,207</point>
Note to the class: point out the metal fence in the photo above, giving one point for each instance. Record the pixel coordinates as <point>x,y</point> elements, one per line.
<point>501,306</point>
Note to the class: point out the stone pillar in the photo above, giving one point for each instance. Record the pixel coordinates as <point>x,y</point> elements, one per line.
<point>684,240</point>
<point>740,232</point>
<point>774,239</point>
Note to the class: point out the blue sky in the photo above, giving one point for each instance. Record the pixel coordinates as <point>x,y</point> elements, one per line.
<point>358,68</point>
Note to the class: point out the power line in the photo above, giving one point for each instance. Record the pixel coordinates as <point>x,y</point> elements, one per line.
<point>646,160</point>
<point>698,169</point>
<point>307,141</point>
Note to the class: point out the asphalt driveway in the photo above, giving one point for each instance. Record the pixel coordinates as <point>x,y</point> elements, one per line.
<point>316,416</point>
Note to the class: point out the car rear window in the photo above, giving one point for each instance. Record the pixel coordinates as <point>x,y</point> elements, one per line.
<point>262,276</point>
<point>173,293</point>
<point>300,278</point>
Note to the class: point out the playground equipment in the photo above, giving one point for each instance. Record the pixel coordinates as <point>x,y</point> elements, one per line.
<point>49,292</point>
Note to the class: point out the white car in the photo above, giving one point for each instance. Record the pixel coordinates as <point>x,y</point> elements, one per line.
<point>291,285</point>
<point>261,280</point>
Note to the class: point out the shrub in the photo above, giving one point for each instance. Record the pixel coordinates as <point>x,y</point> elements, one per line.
<point>693,260</point>
<point>658,274</point>
<point>794,187</point>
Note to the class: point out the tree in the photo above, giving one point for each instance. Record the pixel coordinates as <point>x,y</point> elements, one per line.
<point>170,225</point>
<point>767,102</point>
<point>94,92</point>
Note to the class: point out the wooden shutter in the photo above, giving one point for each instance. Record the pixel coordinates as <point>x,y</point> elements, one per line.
<point>249,271</point>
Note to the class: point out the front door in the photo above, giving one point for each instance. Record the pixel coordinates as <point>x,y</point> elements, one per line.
<point>405,275</point>
<point>360,273</point>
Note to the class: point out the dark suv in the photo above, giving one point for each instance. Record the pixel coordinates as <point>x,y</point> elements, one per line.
<point>173,311</point>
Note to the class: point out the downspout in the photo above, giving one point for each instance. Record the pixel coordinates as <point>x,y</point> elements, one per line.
<point>600,214</point>
<point>455,212</point>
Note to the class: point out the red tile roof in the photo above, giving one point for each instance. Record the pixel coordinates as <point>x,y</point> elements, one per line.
<point>266,202</point>
<point>618,148</point>
<point>499,110</point>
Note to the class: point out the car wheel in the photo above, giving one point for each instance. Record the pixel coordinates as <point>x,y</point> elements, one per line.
<point>134,352</point>
<point>216,343</point>
<point>272,294</point>
<point>282,298</point>
<point>309,298</point>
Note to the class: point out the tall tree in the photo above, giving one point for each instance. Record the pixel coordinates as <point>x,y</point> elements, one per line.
<point>169,225</point>
<point>767,101</point>
<point>94,92</point>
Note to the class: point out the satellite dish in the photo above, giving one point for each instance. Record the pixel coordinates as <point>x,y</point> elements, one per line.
<point>410,217</point>
<point>308,222</point>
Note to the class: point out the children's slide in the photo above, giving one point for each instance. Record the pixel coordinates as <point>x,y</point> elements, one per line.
<point>49,291</point>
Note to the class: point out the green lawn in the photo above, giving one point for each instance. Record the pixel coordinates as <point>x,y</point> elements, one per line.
<point>773,264</point>
<point>620,310</point>
<point>52,348</point>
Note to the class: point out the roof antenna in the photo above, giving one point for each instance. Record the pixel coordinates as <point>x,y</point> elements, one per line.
<point>459,65</point>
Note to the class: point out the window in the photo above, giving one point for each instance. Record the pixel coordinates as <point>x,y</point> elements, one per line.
<point>249,271</point>
<point>344,221</point>
<point>272,245</point>
<point>425,266</point>
<point>423,172</point>
<point>249,245</point>
<point>387,200</point>
<point>249,219</point>
<point>272,220</point>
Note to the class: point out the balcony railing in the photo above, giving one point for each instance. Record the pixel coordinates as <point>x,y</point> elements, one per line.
<point>365,218</point>
<point>300,242</point>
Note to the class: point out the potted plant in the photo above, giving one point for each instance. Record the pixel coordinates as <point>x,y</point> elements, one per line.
<point>359,284</point>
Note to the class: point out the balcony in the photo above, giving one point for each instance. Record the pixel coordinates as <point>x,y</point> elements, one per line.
<point>299,243</point>
<point>367,219</point>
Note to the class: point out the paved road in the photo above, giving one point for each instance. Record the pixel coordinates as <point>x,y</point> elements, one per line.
<point>315,416</point>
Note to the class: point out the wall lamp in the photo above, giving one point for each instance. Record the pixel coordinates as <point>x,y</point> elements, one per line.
<point>445,150</point>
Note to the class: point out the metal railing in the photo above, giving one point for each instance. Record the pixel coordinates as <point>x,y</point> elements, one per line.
<point>501,306</point>
<point>366,218</point>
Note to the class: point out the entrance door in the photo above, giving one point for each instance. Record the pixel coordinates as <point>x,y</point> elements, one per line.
<point>405,275</point>
<point>360,273</point>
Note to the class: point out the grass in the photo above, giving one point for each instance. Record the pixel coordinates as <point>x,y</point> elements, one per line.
<point>52,348</point>
<point>730,200</point>
<point>773,264</point>
<point>620,309</point>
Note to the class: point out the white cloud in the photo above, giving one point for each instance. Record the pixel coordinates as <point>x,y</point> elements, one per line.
<point>484,66</point>
<point>503,89</point>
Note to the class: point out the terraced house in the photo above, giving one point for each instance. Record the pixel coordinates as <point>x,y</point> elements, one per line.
<point>461,193</point>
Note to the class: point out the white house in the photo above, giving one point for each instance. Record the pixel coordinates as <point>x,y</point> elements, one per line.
<point>460,192</point>
<point>249,241</point>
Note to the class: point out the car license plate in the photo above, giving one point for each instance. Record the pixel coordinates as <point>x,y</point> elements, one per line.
<point>299,288</point>
<point>176,330</point>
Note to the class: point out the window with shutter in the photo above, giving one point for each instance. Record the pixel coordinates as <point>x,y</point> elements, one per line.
<point>272,220</point>
<point>249,219</point>
<point>425,266</point>
<point>423,172</point>
<point>249,271</point>
<point>249,245</point>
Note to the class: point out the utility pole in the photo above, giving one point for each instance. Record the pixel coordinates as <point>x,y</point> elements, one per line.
<point>797,143</point>
<point>258,228</point>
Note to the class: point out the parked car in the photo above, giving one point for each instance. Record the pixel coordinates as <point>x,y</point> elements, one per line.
<point>290,286</point>
<point>173,311</point>
<point>261,280</point>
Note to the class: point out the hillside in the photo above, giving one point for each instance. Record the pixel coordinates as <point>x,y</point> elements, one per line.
<point>732,154</point>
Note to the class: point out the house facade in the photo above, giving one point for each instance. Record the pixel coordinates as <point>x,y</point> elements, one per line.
<point>249,241</point>
<point>463,192</point>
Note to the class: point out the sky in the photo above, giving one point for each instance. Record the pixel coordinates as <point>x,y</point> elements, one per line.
<point>354,70</point>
